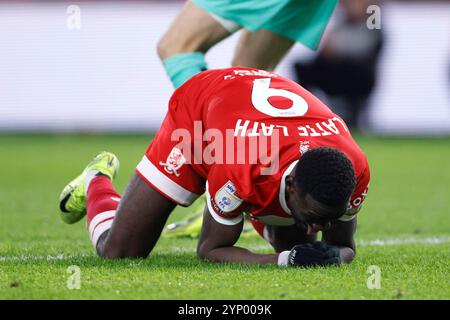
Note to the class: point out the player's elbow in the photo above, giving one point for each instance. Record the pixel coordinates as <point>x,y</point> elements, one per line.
<point>202,255</point>
<point>347,255</point>
<point>204,252</point>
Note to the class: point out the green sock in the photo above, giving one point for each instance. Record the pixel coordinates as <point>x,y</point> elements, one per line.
<point>181,67</point>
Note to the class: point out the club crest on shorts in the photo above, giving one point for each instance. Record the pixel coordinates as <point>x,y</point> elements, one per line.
<point>174,162</point>
<point>226,198</point>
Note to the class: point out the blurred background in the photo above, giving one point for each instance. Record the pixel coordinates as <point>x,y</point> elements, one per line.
<point>78,77</point>
<point>104,74</point>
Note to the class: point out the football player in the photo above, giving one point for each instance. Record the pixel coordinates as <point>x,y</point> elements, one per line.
<point>269,29</point>
<point>258,145</point>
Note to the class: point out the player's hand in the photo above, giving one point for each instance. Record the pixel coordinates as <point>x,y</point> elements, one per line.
<point>316,254</point>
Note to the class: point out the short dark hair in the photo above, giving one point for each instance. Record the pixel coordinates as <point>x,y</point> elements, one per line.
<point>327,175</point>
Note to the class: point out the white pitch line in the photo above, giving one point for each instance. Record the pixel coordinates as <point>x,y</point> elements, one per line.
<point>29,257</point>
<point>362,243</point>
<point>385,242</point>
<point>402,241</point>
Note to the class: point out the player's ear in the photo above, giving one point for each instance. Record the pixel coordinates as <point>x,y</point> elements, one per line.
<point>290,184</point>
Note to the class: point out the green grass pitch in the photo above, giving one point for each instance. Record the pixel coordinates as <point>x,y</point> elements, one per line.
<point>404,229</point>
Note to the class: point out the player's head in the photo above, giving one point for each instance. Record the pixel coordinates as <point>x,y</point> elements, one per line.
<point>319,190</point>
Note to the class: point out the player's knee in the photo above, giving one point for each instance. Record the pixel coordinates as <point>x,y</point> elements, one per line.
<point>164,48</point>
<point>120,251</point>
<point>239,61</point>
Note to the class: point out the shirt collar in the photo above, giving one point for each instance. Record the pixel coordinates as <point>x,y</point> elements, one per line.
<point>282,194</point>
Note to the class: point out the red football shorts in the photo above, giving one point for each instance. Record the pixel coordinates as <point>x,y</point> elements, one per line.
<point>165,167</point>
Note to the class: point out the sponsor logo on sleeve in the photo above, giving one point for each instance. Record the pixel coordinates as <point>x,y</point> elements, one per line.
<point>354,206</point>
<point>356,202</point>
<point>226,198</point>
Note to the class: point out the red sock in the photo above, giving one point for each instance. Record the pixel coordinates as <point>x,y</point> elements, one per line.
<point>101,204</point>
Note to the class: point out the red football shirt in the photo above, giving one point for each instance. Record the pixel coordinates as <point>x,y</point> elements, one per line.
<point>250,127</point>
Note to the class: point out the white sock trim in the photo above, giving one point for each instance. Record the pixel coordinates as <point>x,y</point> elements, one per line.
<point>283,258</point>
<point>99,230</point>
<point>99,218</point>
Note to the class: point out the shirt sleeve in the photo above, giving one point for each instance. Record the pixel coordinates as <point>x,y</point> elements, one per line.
<point>222,198</point>
<point>358,197</point>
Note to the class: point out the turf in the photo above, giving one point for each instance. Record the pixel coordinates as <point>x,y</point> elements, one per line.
<point>404,229</point>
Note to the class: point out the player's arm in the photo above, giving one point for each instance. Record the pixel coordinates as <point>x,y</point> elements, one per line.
<point>217,243</point>
<point>341,235</point>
